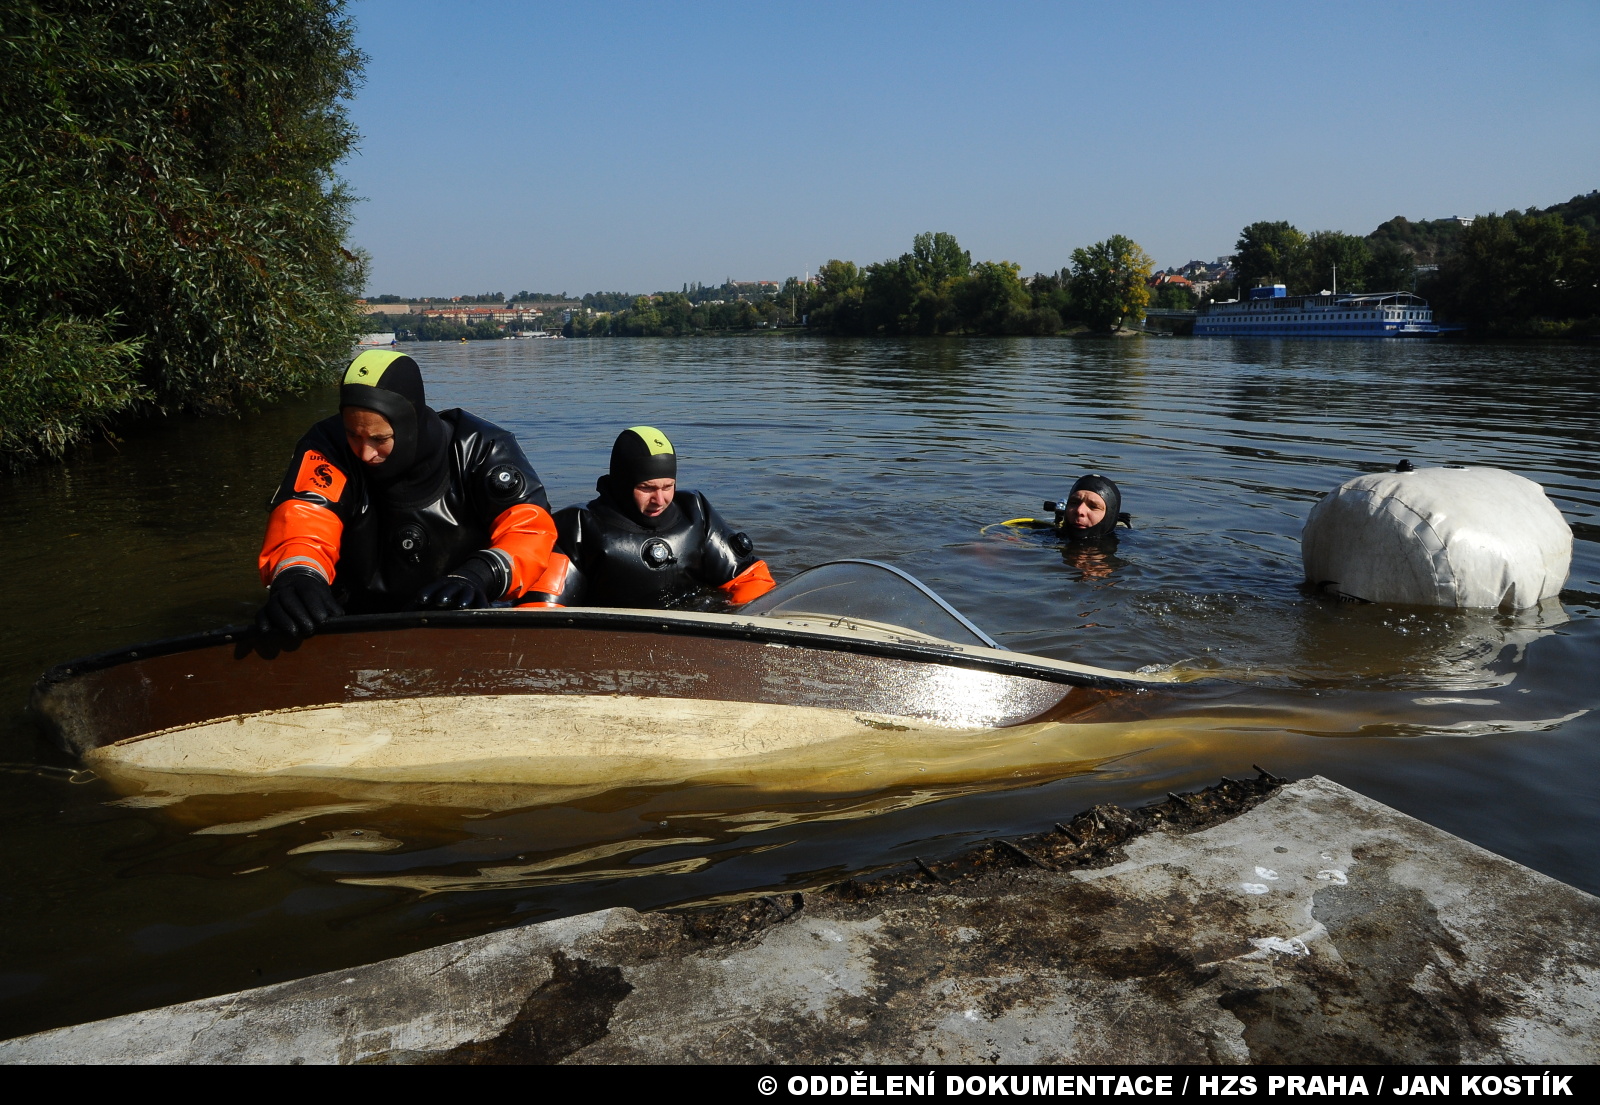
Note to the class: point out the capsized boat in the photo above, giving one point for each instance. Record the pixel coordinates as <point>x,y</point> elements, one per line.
<point>848,652</point>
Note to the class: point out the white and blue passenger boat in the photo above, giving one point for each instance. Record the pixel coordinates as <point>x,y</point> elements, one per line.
<point>1270,312</point>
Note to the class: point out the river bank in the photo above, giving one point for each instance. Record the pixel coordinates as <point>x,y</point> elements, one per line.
<point>1251,923</point>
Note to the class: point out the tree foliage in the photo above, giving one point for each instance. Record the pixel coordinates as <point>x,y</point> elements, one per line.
<point>915,293</point>
<point>836,305</point>
<point>673,314</point>
<point>993,300</point>
<point>1508,273</point>
<point>932,289</point>
<point>1393,268</point>
<point>1329,258</point>
<point>1268,253</point>
<point>1175,297</point>
<point>1111,282</point>
<point>1427,240</point>
<point>1521,273</point>
<point>1582,212</point>
<point>171,228</point>
<point>1279,253</point>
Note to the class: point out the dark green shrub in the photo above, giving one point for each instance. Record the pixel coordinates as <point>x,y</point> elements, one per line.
<point>171,228</point>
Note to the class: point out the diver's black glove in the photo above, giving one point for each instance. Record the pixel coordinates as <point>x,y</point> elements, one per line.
<point>298,603</point>
<point>468,586</point>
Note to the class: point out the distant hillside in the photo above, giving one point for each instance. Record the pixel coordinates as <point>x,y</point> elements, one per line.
<point>1430,240</point>
<point>1583,211</point>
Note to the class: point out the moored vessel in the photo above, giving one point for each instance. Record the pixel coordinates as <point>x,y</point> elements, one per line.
<point>1270,312</point>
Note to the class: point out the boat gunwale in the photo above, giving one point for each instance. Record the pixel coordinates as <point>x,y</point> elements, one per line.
<point>671,623</point>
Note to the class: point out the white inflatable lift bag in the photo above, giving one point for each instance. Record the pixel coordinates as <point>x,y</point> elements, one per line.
<point>1468,537</point>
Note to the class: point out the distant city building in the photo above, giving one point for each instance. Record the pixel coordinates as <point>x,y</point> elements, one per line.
<point>1463,220</point>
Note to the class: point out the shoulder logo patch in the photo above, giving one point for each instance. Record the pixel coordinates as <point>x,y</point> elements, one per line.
<point>319,476</point>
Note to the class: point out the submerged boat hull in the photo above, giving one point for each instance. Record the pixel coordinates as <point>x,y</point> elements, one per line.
<point>577,698</point>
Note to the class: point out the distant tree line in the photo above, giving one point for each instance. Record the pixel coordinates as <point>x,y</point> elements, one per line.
<point>172,231</point>
<point>674,314</point>
<point>1523,274</point>
<point>936,288</point>
<point>609,301</point>
<point>1532,272</point>
<point>422,328</point>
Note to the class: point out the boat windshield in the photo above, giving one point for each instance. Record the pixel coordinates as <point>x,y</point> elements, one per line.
<point>867,591</point>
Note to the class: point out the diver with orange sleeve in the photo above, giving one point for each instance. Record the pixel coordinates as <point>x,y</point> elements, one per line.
<point>643,542</point>
<point>391,505</point>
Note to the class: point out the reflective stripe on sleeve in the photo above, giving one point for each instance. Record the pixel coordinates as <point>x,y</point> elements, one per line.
<point>300,534</point>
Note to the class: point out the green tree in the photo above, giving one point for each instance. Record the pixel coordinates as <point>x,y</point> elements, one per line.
<point>639,319</point>
<point>1111,282</point>
<point>836,303</point>
<point>1219,292</point>
<point>171,228</point>
<point>1328,253</point>
<point>1051,295</point>
<point>937,265</point>
<point>1507,272</point>
<point>1393,268</point>
<point>1175,297</point>
<point>915,293</point>
<point>887,293</point>
<point>1268,253</point>
<point>1428,241</point>
<point>993,300</point>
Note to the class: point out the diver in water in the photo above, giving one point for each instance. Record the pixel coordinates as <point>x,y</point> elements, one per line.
<point>390,505</point>
<point>1091,511</point>
<point>1087,520</point>
<point>643,542</point>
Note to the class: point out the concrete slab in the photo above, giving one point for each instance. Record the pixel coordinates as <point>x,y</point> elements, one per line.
<point>1319,926</point>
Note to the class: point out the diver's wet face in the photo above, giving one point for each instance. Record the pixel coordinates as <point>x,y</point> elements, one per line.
<point>369,435</point>
<point>654,496</point>
<point>1085,510</point>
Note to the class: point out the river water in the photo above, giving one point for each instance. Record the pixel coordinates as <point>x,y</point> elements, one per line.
<point>1483,724</point>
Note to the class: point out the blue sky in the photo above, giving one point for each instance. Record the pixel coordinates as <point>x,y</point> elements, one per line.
<point>635,146</point>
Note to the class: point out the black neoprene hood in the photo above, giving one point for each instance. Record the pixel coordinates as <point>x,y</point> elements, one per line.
<point>386,382</point>
<point>1107,491</point>
<point>390,383</point>
<point>641,453</point>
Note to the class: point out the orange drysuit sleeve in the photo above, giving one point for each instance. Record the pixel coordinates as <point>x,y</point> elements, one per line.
<point>751,583</point>
<point>300,534</point>
<point>524,534</point>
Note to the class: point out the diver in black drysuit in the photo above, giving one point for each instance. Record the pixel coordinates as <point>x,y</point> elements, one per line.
<point>1090,548</point>
<point>613,551</point>
<point>452,515</point>
<point>1066,523</point>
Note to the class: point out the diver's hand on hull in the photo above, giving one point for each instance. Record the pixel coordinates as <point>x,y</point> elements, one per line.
<point>467,587</point>
<point>298,603</point>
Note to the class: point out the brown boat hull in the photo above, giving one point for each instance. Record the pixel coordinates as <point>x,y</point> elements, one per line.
<point>390,697</point>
